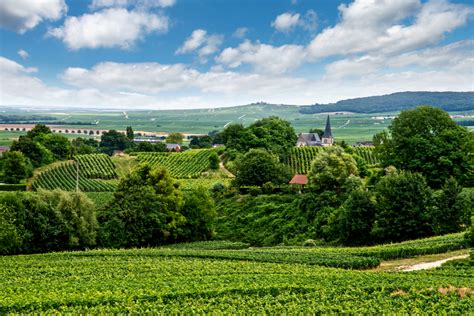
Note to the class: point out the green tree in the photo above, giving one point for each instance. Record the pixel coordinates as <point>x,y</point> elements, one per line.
<point>36,152</point>
<point>403,207</point>
<point>113,140</point>
<point>318,131</point>
<point>145,210</point>
<point>38,130</point>
<point>59,145</point>
<point>353,222</point>
<point>258,166</point>
<point>428,141</point>
<point>14,167</point>
<point>81,146</point>
<point>199,211</point>
<point>214,161</point>
<point>452,209</point>
<point>231,136</point>
<point>129,133</point>
<point>175,138</point>
<point>331,169</point>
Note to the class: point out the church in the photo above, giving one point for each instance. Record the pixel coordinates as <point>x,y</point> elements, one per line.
<point>313,139</point>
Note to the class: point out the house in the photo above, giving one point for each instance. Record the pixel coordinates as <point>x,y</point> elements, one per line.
<point>313,139</point>
<point>173,147</point>
<point>300,179</point>
<point>308,139</point>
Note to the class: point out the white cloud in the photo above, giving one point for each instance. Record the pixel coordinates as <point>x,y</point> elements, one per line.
<point>21,16</point>
<point>109,28</point>
<point>97,4</point>
<point>240,32</point>
<point>23,54</point>
<point>158,86</point>
<point>285,22</point>
<point>197,38</point>
<point>265,58</point>
<point>455,57</point>
<point>201,41</point>
<point>373,26</point>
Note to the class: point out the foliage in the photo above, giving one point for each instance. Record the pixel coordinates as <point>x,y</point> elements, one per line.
<point>129,133</point>
<point>448,101</point>
<point>187,164</point>
<point>83,146</point>
<point>145,210</point>
<point>148,147</point>
<point>210,245</point>
<point>258,167</point>
<point>38,130</point>
<point>273,134</point>
<point>59,145</point>
<point>353,221</point>
<point>174,138</point>
<point>37,153</point>
<point>428,141</point>
<point>469,237</point>
<point>14,167</point>
<point>214,161</point>
<point>201,142</point>
<point>199,212</point>
<point>451,210</point>
<point>264,220</point>
<point>47,221</point>
<point>113,140</point>
<point>331,169</point>
<point>403,207</point>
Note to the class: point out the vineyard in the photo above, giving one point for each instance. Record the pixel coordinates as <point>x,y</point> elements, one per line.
<point>217,277</point>
<point>96,174</point>
<point>185,165</point>
<point>300,158</point>
<point>367,153</point>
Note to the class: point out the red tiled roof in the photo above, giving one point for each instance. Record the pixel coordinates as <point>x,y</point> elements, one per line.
<point>299,179</point>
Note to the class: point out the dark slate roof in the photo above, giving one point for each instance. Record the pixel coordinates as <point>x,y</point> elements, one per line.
<point>327,130</point>
<point>309,138</point>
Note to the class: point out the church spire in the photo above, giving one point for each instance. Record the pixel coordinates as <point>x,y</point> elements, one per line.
<point>327,130</point>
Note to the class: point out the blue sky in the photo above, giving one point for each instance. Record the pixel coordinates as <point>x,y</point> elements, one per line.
<point>166,54</point>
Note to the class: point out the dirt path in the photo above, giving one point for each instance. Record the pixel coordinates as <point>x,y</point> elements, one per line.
<point>429,265</point>
<point>224,170</point>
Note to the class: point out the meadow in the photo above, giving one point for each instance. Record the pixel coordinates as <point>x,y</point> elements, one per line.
<point>215,277</point>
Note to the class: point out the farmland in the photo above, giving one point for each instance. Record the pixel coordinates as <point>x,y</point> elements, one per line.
<point>351,127</point>
<point>199,279</point>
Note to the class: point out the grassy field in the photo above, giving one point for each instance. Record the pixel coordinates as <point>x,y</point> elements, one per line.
<point>348,127</point>
<point>206,277</point>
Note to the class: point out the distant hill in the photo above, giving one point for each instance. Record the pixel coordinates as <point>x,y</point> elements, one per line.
<point>448,101</point>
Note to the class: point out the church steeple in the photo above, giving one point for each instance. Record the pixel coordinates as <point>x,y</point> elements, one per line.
<point>327,139</point>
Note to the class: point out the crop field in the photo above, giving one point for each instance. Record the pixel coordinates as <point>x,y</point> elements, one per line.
<point>96,174</point>
<point>188,164</point>
<point>218,277</point>
<point>300,158</point>
<point>351,127</point>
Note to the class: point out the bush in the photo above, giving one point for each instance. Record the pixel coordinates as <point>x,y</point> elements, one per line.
<point>46,221</point>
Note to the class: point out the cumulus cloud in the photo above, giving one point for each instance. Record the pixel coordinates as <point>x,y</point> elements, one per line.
<point>202,42</point>
<point>285,22</point>
<point>21,16</point>
<point>265,58</point>
<point>116,27</point>
<point>240,32</point>
<point>97,4</point>
<point>160,86</point>
<point>374,26</point>
<point>23,54</point>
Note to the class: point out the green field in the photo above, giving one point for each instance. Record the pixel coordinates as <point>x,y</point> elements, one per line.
<point>348,127</point>
<point>206,277</point>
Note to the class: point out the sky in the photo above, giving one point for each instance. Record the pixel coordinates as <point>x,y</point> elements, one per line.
<point>176,54</point>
